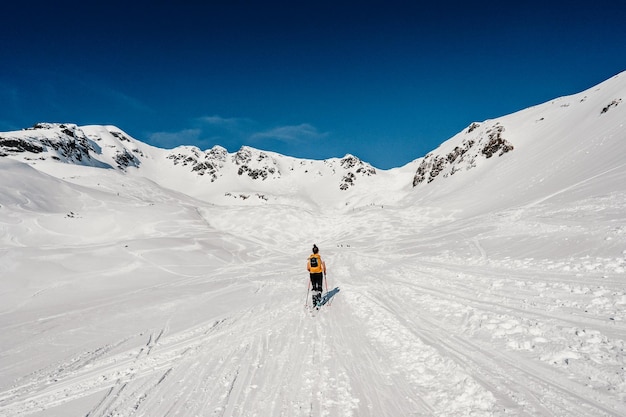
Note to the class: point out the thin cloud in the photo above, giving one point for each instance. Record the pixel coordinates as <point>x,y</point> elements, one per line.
<point>169,140</point>
<point>229,132</point>
<point>234,132</point>
<point>227,122</point>
<point>205,132</point>
<point>290,134</point>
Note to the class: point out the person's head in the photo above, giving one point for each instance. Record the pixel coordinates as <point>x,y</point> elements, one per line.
<point>315,248</point>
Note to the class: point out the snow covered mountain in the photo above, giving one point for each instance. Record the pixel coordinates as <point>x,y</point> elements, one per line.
<point>214,175</point>
<point>531,154</point>
<point>260,177</point>
<point>486,278</point>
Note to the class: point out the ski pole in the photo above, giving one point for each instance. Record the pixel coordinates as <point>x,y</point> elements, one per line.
<point>306,299</point>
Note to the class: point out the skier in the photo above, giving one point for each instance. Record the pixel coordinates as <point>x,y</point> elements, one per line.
<point>317,271</point>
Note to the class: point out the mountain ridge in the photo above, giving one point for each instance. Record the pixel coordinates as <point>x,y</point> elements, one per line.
<point>251,176</point>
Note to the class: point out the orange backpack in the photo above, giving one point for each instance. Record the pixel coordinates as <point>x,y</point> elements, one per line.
<point>315,263</point>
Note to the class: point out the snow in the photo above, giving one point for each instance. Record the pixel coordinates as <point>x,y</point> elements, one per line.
<point>498,290</point>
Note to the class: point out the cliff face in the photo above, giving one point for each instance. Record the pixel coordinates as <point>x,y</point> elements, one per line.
<point>477,142</point>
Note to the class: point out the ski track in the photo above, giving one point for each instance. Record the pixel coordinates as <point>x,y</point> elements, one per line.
<point>192,373</point>
<point>418,310</point>
<point>437,336</point>
<point>423,341</point>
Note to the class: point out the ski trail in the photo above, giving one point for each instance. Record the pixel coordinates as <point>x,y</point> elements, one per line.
<point>437,382</point>
<point>111,373</point>
<point>267,359</point>
<point>455,323</point>
<point>539,389</point>
<point>463,342</point>
<point>570,187</point>
<point>434,336</point>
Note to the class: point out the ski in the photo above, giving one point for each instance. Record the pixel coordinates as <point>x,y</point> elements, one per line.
<point>328,296</point>
<point>324,300</point>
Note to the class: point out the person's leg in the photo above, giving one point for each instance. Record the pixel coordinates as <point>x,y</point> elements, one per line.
<point>316,281</point>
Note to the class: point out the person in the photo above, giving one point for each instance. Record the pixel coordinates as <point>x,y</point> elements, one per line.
<point>317,272</point>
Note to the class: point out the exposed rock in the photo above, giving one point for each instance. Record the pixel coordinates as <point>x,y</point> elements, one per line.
<point>62,141</point>
<point>613,103</point>
<point>126,159</point>
<point>486,144</point>
<point>473,127</point>
<point>12,145</point>
<point>243,156</point>
<point>120,136</point>
<point>349,162</point>
<point>496,143</point>
<point>347,181</point>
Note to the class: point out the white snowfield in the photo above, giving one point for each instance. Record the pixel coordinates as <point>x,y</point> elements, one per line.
<point>496,289</point>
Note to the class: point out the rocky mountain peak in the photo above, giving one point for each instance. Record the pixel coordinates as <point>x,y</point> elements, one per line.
<point>64,142</point>
<point>477,141</point>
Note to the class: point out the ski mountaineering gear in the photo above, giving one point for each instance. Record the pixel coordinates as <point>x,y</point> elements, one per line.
<point>315,264</point>
<point>316,281</point>
<point>317,272</point>
<point>326,298</point>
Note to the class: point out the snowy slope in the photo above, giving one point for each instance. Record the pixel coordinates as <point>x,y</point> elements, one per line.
<point>536,151</point>
<point>248,176</point>
<point>132,284</point>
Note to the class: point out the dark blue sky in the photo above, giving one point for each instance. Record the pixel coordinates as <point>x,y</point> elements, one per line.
<point>387,81</point>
